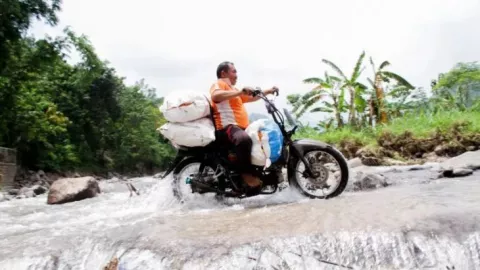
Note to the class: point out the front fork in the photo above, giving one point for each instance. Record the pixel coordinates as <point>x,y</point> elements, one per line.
<point>308,169</point>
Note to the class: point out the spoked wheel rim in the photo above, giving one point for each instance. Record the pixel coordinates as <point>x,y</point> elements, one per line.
<point>183,189</point>
<point>328,169</point>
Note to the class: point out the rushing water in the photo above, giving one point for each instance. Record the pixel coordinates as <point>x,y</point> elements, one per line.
<point>417,223</point>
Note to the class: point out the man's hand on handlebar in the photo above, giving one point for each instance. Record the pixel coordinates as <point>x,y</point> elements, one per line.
<point>254,92</point>
<point>273,90</point>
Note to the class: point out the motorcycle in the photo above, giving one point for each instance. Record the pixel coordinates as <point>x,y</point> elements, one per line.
<point>303,159</point>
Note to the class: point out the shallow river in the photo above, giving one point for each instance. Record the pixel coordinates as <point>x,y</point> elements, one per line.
<point>417,223</point>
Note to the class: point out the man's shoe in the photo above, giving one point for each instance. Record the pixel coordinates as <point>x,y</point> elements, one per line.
<point>251,180</point>
<point>253,184</point>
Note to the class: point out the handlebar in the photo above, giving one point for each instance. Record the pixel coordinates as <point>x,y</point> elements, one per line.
<point>273,111</point>
<point>258,92</point>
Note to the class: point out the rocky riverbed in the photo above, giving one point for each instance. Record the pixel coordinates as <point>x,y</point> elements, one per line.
<point>395,217</point>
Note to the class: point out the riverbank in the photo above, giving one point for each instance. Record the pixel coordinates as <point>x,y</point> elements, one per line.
<point>413,139</point>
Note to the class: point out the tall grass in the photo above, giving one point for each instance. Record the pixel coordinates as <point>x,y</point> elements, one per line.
<point>420,125</point>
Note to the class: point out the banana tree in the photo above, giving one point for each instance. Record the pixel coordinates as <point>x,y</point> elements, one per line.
<point>351,84</point>
<point>378,101</point>
<point>329,87</point>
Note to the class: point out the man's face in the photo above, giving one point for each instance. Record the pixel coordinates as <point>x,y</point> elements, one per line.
<point>232,74</point>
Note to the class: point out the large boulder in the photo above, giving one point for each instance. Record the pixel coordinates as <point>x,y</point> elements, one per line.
<point>356,162</point>
<point>72,189</point>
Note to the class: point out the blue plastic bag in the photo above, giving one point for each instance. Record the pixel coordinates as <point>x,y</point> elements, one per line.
<point>267,142</point>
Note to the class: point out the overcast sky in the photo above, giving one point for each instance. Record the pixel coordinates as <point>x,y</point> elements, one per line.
<point>177,44</point>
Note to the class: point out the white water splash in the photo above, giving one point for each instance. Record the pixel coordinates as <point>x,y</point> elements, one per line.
<point>407,227</point>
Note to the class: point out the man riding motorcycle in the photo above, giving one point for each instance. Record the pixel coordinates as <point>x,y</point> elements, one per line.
<point>231,119</point>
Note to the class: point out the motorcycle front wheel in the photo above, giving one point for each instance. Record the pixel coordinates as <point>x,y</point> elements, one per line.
<point>332,170</point>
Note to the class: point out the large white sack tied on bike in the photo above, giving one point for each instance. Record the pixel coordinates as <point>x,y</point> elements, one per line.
<point>267,142</point>
<point>185,106</point>
<point>195,133</point>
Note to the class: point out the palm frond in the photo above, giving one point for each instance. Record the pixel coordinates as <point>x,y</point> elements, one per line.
<point>321,109</point>
<point>335,67</point>
<point>398,78</point>
<point>313,80</point>
<point>383,65</point>
<point>334,78</point>
<point>360,85</point>
<point>373,66</point>
<point>399,91</point>
<point>360,103</point>
<point>321,87</point>
<point>356,71</point>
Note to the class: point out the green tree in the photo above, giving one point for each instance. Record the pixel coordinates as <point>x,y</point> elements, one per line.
<point>377,100</point>
<point>16,17</point>
<point>354,87</point>
<point>459,88</point>
<point>329,87</point>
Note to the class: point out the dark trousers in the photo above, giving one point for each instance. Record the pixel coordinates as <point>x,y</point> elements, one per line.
<point>242,145</point>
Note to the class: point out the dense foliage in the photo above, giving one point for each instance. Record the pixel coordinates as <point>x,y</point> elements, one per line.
<point>350,103</point>
<point>61,116</point>
<point>448,118</point>
<point>365,102</point>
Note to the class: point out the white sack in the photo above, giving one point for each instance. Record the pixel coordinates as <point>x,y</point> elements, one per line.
<point>185,106</point>
<point>199,132</point>
<point>266,142</point>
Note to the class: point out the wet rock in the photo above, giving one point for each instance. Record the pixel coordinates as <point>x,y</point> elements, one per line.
<point>27,192</point>
<point>471,148</point>
<point>458,172</point>
<point>390,161</point>
<point>371,161</point>
<point>352,163</point>
<point>38,189</point>
<point>41,177</point>
<point>369,181</point>
<point>462,172</point>
<point>73,189</point>
<point>468,160</point>
<point>432,157</point>
<point>111,175</point>
<point>371,156</point>
<point>350,147</point>
<point>13,192</point>
<point>76,175</point>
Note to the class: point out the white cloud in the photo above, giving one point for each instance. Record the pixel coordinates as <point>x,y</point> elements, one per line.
<point>177,44</point>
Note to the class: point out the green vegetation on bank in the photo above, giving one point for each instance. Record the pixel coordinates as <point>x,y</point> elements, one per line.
<point>421,126</point>
<point>62,116</point>
<point>447,121</point>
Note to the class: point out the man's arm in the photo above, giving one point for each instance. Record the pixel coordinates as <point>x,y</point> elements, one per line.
<point>265,92</point>
<point>219,95</point>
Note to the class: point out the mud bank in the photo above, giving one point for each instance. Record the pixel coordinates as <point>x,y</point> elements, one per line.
<point>406,148</point>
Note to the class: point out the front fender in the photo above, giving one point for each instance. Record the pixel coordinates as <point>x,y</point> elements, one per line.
<point>300,147</point>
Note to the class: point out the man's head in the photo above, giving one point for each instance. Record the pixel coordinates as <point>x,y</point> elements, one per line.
<point>226,70</point>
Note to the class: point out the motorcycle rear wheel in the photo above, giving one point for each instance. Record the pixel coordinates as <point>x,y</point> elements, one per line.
<point>294,173</point>
<point>181,189</point>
